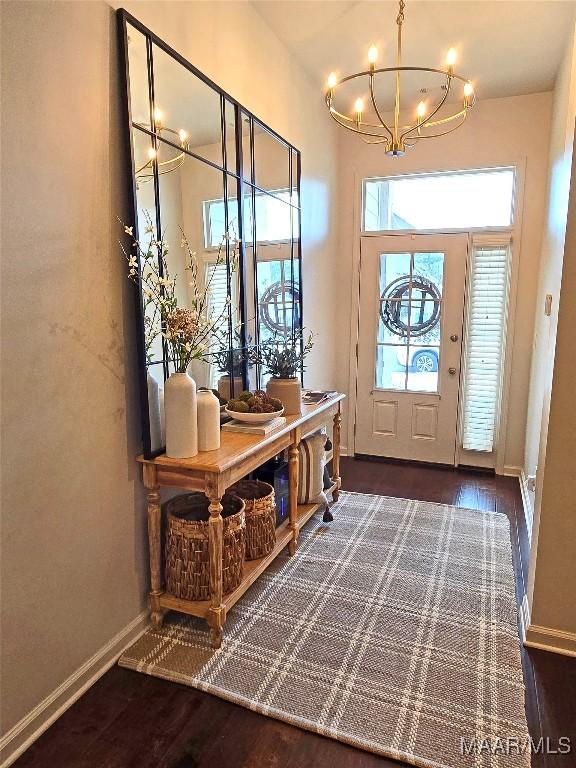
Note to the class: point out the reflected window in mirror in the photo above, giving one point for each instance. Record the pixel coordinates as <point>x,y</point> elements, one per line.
<point>273,220</point>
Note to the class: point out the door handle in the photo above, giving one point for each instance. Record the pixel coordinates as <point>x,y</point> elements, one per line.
<point>452,371</point>
<point>454,337</point>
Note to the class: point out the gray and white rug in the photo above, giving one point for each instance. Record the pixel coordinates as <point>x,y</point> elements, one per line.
<point>393,629</point>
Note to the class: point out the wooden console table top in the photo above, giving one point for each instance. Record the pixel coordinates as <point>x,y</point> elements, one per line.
<point>236,446</point>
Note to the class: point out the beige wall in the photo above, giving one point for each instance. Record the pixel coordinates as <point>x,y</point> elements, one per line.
<point>560,154</point>
<point>552,582</point>
<point>506,131</point>
<point>551,440</point>
<point>74,563</point>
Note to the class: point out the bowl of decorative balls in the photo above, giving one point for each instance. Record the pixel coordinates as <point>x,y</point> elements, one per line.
<point>254,407</point>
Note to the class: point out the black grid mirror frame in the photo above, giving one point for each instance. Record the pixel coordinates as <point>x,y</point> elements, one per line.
<point>264,301</point>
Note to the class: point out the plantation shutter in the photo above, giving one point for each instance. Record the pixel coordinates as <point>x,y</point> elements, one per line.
<point>218,287</point>
<point>486,332</point>
<point>216,302</point>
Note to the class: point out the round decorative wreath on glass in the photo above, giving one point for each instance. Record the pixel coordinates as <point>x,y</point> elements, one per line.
<point>410,306</point>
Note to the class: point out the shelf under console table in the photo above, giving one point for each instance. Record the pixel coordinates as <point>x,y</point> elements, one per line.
<point>212,472</point>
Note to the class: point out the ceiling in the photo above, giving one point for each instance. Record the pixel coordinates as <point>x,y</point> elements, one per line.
<point>505,48</point>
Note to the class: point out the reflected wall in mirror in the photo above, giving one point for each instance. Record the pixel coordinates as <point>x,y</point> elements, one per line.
<point>207,172</point>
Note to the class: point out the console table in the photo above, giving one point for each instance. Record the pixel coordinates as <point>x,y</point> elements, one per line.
<point>212,472</point>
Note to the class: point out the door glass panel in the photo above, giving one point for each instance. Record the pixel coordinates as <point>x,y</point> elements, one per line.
<point>423,368</point>
<point>409,322</point>
<point>431,266</point>
<point>391,366</point>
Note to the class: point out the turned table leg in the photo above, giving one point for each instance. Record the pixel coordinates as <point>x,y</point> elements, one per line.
<point>293,493</point>
<point>154,545</point>
<point>336,454</point>
<point>217,611</point>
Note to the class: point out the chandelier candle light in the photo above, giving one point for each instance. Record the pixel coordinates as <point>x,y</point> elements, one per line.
<point>397,138</point>
<point>179,148</point>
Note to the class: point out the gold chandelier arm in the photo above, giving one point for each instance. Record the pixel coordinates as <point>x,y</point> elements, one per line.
<point>350,119</point>
<point>435,111</point>
<point>339,118</point>
<point>442,133</point>
<point>449,119</point>
<point>378,115</point>
<point>383,140</point>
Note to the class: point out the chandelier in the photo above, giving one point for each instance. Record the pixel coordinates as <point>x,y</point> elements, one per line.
<point>175,149</point>
<point>395,137</point>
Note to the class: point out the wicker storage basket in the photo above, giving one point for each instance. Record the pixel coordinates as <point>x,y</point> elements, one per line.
<point>187,564</point>
<point>258,498</point>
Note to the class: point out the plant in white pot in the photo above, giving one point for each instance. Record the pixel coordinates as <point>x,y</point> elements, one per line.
<point>190,333</point>
<point>283,358</point>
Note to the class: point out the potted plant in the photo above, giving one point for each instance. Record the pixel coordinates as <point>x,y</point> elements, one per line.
<point>230,363</point>
<point>190,333</point>
<point>283,358</point>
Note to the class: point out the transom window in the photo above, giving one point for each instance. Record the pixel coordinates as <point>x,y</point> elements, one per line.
<point>452,200</point>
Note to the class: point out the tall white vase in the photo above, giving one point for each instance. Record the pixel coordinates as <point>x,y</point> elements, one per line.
<point>180,408</point>
<point>208,421</point>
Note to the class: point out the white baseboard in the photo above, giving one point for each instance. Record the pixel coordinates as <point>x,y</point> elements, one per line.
<point>24,733</point>
<point>510,471</point>
<point>545,638</point>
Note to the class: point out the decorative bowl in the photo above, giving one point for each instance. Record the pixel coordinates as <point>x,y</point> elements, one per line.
<point>254,418</point>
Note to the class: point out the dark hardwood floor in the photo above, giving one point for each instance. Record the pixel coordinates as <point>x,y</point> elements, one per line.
<point>130,720</point>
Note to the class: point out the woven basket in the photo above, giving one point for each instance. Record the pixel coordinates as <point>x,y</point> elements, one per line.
<point>258,498</point>
<point>187,565</point>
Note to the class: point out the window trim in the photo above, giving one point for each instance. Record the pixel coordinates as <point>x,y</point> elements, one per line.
<point>445,230</point>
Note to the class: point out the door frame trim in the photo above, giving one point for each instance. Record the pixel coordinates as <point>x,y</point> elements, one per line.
<point>516,229</point>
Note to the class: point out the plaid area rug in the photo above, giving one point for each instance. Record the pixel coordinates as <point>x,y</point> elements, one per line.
<point>392,629</point>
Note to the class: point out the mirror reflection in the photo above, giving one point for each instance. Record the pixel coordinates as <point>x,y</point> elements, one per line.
<point>187,112</point>
<point>271,162</point>
<point>191,209</point>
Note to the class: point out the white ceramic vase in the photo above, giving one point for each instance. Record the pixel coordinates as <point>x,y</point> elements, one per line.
<point>180,408</point>
<point>289,392</point>
<point>208,421</point>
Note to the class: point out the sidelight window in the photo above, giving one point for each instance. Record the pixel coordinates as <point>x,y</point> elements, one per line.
<point>485,340</point>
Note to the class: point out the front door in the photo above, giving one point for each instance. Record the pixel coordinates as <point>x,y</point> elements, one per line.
<point>409,346</point>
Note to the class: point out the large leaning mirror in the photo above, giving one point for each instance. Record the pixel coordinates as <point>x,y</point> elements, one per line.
<point>216,193</point>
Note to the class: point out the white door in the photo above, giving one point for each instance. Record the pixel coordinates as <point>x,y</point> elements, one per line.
<point>409,346</point>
